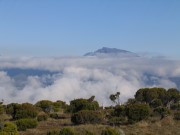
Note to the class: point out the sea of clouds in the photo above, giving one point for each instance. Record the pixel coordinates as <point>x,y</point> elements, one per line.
<point>69,78</point>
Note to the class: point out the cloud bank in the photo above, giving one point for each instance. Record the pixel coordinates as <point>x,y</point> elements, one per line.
<point>67,78</point>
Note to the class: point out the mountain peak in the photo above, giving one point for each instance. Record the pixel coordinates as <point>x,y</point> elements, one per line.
<point>105,51</point>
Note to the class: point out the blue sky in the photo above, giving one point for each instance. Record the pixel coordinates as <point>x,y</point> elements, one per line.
<point>74,27</point>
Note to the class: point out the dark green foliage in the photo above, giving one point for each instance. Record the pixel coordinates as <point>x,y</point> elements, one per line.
<point>26,110</point>
<point>83,104</point>
<point>117,120</point>
<point>177,115</point>
<point>1,109</point>
<point>149,94</point>
<point>59,105</point>
<point>49,106</point>
<point>137,112</point>
<point>110,131</point>
<point>156,103</point>
<point>24,124</point>
<point>87,117</point>
<point>162,111</point>
<point>53,132</point>
<point>131,101</point>
<point>9,128</point>
<point>66,131</point>
<point>173,94</point>
<point>119,111</point>
<point>115,98</point>
<point>12,108</point>
<point>88,133</point>
<point>54,115</point>
<point>42,117</point>
<point>45,105</point>
<point>19,111</point>
<point>175,106</point>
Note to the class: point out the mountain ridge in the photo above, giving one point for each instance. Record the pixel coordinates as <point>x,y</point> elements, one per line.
<point>105,51</point>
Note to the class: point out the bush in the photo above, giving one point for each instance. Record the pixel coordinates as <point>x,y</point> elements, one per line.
<point>137,112</point>
<point>54,115</point>
<point>156,103</point>
<point>175,106</point>
<point>86,116</point>
<point>24,124</point>
<point>26,110</point>
<point>42,117</point>
<point>177,115</point>
<point>110,131</point>
<point>20,111</point>
<point>88,133</point>
<point>66,131</point>
<point>53,132</point>
<point>119,111</point>
<point>162,111</point>
<point>83,104</point>
<point>9,128</point>
<point>117,120</point>
<point>1,109</point>
<point>45,105</point>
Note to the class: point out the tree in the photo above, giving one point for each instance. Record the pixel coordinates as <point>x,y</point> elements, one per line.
<point>149,94</point>
<point>173,94</point>
<point>115,98</point>
<point>83,104</point>
<point>137,112</point>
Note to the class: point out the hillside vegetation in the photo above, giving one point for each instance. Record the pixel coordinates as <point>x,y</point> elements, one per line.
<point>152,111</point>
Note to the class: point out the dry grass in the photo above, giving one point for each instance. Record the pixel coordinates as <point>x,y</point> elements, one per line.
<point>166,126</point>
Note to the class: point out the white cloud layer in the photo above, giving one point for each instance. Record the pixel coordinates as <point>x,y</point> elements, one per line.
<point>76,77</point>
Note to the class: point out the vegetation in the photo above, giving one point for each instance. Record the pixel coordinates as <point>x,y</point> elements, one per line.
<point>83,104</point>
<point>8,128</point>
<point>150,107</point>
<point>87,117</point>
<point>24,124</point>
<point>109,131</point>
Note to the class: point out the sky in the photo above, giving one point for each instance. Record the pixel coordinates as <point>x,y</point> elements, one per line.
<point>74,27</point>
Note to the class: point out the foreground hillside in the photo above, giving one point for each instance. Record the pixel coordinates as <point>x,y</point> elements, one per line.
<point>167,126</point>
<point>153,111</point>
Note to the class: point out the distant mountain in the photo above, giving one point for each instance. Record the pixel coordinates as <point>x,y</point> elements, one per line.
<point>105,51</point>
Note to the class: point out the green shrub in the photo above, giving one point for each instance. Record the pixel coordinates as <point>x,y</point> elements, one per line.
<point>11,109</point>
<point>66,131</point>
<point>24,124</point>
<point>42,117</point>
<point>119,111</point>
<point>83,104</point>
<point>9,128</point>
<point>45,105</point>
<point>117,120</point>
<point>26,110</point>
<point>162,111</point>
<point>59,105</point>
<point>137,112</point>
<point>54,115</point>
<point>87,116</point>
<point>175,106</point>
<point>53,132</point>
<point>177,115</point>
<point>156,103</point>
<point>88,133</point>
<point>110,131</point>
<point>1,109</point>
<point>20,111</point>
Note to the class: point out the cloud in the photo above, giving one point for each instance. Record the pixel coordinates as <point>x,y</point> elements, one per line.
<point>82,77</point>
